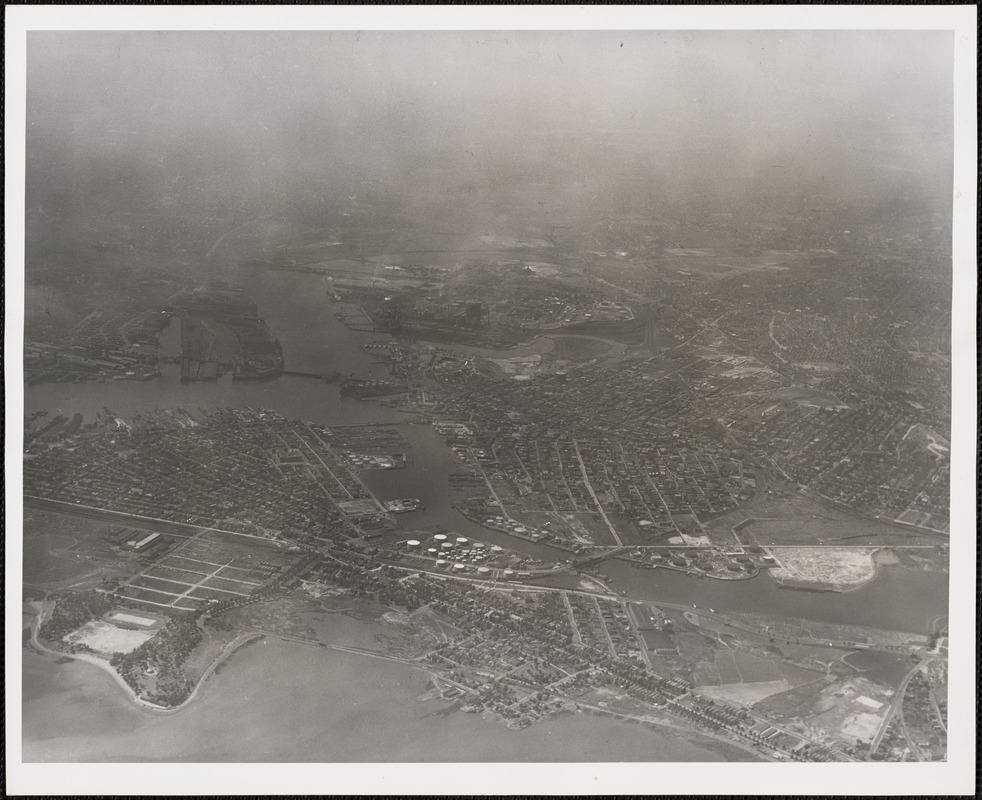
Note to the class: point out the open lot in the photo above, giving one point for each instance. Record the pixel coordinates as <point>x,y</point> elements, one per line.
<point>744,694</point>
<point>171,572</point>
<point>211,567</point>
<point>61,549</point>
<point>861,726</point>
<point>849,709</point>
<point>793,519</point>
<point>107,639</point>
<point>791,530</point>
<point>886,668</point>
<point>840,568</point>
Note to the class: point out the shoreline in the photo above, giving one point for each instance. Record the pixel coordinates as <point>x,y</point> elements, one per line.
<point>95,661</point>
<point>226,652</point>
<point>665,726</point>
<point>458,737</point>
<point>838,588</point>
<point>103,664</point>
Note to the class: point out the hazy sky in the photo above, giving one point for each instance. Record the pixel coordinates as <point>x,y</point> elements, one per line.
<point>853,109</point>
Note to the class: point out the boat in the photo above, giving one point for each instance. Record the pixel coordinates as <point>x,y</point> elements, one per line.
<point>255,373</point>
<point>404,505</point>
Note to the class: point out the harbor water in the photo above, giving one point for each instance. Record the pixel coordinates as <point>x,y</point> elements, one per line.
<point>314,339</point>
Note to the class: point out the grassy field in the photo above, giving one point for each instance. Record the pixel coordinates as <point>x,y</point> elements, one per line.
<point>60,549</point>
<point>847,708</point>
<point>735,667</point>
<point>880,667</point>
<point>797,520</point>
<point>822,530</point>
<point>173,573</point>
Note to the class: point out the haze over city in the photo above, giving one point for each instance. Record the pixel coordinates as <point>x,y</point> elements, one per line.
<point>574,396</point>
<point>453,122</point>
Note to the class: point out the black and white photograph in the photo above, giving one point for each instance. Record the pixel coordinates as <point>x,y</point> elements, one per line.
<point>552,400</point>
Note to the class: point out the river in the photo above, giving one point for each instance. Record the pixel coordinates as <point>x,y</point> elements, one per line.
<point>298,313</point>
<point>248,712</point>
<point>74,712</point>
<point>897,599</point>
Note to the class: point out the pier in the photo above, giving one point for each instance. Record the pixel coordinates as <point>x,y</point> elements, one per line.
<point>329,377</point>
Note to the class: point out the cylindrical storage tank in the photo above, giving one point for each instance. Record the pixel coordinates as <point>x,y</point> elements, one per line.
<point>483,571</point>
<point>458,567</point>
<point>431,550</point>
<point>441,537</point>
<point>509,573</point>
<point>461,540</point>
<point>412,543</point>
<point>446,546</point>
<point>441,563</point>
<point>478,545</point>
<point>519,529</point>
<point>496,548</point>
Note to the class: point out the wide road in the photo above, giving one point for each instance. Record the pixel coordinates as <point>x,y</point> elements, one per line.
<point>184,530</point>
<point>593,494</point>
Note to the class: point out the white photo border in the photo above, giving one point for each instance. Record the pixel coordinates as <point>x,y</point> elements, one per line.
<point>955,777</point>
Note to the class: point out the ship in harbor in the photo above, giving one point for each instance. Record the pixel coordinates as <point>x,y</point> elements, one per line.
<point>256,372</point>
<point>363,389</point>
<point>403,506</point>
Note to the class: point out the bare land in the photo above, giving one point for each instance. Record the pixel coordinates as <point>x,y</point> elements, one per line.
<point>107,639</point>
<point>828,567</point>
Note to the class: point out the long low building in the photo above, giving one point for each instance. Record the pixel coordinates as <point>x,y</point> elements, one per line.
<point>139,545</point>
